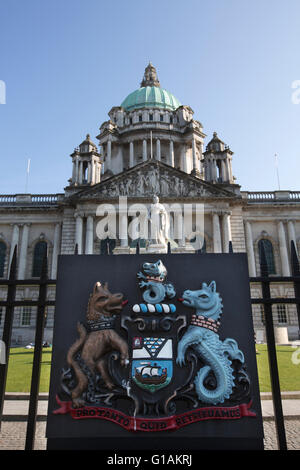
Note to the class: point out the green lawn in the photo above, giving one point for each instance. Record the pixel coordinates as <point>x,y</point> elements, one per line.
<point>20,366</point>
<point>289,373</point>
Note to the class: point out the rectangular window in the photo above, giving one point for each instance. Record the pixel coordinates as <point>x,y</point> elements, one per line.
<point>140,118</point>
<point>171,120</point>
<point>130,120</point>
<point>161,118</point>
<point>282,314</point>
<point>26,316</point>
<point>150,117</point>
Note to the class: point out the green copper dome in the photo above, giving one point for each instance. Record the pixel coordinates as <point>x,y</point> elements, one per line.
<point>150,95</point>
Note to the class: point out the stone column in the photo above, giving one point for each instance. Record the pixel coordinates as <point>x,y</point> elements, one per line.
<point>144,150</point>
<point>80,177</point>
<point>14,242</point>
<point>227,170</point>
<point>89,235</point>
<point>216,234</point>
<point>207,174</point>
<point>55,250</point>
<point>158,155</point>
<point>214,170</point>
<point>89,175</point>
<point>226,228</point>
<point>250,250</point>
<point>108,155</point>
<point>183,165</point>
<point>78,233</point>
<point>283,250</point>
<point>172,162</point>
<point>93,172</point>
<point>131,154</point>
<point>98,172</point>
<point>194,155</point>
<point>181,241</point>
<point>76,169</point>
<point>292,234</point>
<point>223,172</point>
<point>123,230</point>
<point>23,252</point>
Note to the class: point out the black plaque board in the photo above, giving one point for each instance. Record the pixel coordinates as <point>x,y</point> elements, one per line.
<point>77,276</point>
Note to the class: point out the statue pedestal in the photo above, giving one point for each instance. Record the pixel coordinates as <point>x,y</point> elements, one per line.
<point>121,250</point>
<point>157,248</point>
<point>183,249</point>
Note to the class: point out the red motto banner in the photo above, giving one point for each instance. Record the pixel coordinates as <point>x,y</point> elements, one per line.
<point>160,424</point>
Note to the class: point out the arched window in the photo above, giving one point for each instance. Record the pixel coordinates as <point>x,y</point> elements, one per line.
<point>269,254</point>
<point>107,246</point>
<point>2,258</point>
<point>40,250</point>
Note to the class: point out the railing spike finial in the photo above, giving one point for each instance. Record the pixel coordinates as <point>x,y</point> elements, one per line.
<point>137,251</point>
<point>230,248</point>
<point>169,248</point>
<point>76,249</point>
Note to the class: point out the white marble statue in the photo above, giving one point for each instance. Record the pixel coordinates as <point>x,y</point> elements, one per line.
<point>159,223</point>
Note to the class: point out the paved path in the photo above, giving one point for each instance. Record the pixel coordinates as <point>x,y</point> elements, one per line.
<point>13,429</point>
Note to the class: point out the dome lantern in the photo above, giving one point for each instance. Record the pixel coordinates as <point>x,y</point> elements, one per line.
<point>150,76</point>
<point>150,94</point>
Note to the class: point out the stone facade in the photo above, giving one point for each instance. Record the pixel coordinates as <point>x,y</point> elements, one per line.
<point>145,149</point>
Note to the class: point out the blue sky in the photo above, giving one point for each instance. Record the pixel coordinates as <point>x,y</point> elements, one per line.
<point>66,63</point>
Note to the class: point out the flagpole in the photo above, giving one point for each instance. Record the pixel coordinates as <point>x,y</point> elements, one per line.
<point>277,171</point>
<point>27,175</point>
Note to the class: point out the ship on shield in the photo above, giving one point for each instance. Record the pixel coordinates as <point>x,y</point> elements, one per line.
<point>152,364</point>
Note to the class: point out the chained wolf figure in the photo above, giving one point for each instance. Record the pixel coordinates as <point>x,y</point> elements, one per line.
<point>97,337</point>
<point>153,282</point>
<point>202,336</point>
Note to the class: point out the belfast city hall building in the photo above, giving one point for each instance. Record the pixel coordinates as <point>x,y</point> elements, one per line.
<point>151,145</point>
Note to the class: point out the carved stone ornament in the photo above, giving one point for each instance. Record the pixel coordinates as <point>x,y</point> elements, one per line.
<point>150,178</point>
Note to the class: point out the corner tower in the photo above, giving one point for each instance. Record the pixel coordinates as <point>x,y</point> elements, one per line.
<point>86,164</point>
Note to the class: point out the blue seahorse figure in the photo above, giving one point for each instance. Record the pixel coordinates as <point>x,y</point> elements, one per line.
<point>202,336</point>
<point>153,282</point>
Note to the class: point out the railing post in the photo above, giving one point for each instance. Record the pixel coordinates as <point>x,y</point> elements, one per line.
<point>230,247</point>
<point>275,384</point>
<point>37,357</point>
<point>169,248</point>
<point>7,329</point>
<point>137,250</point>
<point>296,280</point>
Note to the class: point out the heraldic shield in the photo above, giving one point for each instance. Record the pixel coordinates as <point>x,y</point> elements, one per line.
<point>156,359</point>
<point>152,362</point>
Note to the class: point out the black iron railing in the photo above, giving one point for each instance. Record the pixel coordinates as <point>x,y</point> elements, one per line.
<point>10,303</point>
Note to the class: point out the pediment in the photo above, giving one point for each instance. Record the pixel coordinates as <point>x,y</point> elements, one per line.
<point>154,177</point>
